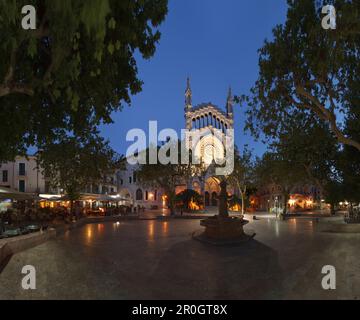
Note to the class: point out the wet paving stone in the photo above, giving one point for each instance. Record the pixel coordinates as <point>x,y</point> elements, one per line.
<point>159,260</point>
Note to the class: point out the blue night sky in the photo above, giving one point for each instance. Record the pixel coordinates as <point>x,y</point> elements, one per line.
<point>215,43</point>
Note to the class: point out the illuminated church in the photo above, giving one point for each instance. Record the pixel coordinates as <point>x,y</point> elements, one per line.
<point>211,122</point>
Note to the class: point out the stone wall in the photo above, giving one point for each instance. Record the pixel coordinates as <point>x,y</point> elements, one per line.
<point>11,246</point>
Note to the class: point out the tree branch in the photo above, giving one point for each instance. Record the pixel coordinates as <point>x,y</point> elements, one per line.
<point>8,86</point>
<point>23,89</point>
<point>316,180</point>
<point>327,115</point>
<point>10,74</point>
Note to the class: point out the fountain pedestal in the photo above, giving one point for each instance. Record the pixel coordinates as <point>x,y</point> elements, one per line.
<point>219,228</point>
<point>223,229</point>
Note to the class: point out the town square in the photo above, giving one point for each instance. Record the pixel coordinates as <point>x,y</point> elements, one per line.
<point>179,150</point>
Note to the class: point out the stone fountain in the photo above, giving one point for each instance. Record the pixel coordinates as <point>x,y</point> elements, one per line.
<point>223,229</point>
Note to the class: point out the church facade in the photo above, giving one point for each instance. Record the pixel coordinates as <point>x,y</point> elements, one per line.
<point>210,123</point>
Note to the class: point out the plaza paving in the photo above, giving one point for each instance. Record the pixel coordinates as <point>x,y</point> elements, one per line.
<point>159,260</point>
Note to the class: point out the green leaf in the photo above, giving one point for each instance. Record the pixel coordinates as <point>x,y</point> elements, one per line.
<point>112,23</point>
<point>32,48</point>
<point>56,93</point>
<point>111,48</point>
<point>75,102</point>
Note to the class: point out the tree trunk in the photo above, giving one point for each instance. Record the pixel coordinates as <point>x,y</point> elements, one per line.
<point>242,202</point>
<point>270,205</point>
<point>71,210</point>
<point>286,201</point>
<point>351,210</point>
<point>332,209</point>
<point>242,194</point>
<point>171,205</point>
<point>223,206</point>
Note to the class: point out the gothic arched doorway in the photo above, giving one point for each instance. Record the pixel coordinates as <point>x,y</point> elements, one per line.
<point>212,189</point>
<point>214,199</point>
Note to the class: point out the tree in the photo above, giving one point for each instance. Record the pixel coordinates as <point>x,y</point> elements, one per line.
<point>73,163</point>
<point>308,144</point>
<point>166,176</point>
<point>241,177</point>
<point>349,164</point>
<point>335,192</point>
<point>274,170</point>
<point>306,68</point>
<point>74,70</point>
<point>186,197</point>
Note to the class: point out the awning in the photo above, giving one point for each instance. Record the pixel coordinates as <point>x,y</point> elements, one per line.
<point>51,197</point>
<point>100,197</point>
<point>6,193</point>
<point>85,197</point>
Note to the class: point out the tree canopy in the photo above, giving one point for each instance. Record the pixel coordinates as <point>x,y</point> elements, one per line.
<point>273,169</point>
<point>167,176</point>
<point>187,197</point>
<point>309,69</point>
<point>73,163</point>
<point>72,72</point>
<point>349,163</point>
<point>307,143</point>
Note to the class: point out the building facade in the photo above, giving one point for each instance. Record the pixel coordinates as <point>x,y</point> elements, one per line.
<point>210,123</point>
<point>24,175</point>
<point>136,195</point>
<point>302,198</point>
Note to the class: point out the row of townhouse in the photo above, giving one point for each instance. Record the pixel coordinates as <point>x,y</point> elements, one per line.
<point>305,197</point>
<point>24,175</point>
<point>138,195</point>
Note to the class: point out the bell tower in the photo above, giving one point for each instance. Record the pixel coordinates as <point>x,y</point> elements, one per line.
<point>230,104</point>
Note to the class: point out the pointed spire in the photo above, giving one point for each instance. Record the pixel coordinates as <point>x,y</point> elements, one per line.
<point>229,103</point>
<point>188,95</point>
